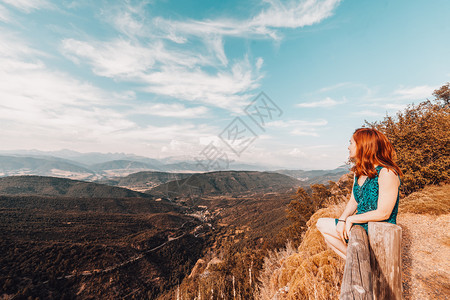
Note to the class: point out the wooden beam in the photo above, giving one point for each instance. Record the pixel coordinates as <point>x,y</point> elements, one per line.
<point>357,280</point>
<point>385,259</point>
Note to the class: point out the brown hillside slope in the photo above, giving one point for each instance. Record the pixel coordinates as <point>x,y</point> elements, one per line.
<point>314,272</point>
<point>425,219</point>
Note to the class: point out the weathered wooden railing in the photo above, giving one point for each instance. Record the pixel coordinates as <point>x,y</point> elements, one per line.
<point>373,265</point>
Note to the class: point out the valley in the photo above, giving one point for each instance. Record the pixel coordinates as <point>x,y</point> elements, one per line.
<point>71,239</point>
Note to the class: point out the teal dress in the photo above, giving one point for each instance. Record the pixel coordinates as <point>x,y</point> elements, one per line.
<point>366,196</point>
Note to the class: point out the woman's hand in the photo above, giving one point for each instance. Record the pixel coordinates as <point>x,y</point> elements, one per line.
<point>340,228</point>
<point>348,226</point>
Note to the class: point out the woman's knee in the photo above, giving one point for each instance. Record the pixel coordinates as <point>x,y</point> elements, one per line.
<point>326,225</point>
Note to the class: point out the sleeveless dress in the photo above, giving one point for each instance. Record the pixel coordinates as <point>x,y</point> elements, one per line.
<point>366,196</point>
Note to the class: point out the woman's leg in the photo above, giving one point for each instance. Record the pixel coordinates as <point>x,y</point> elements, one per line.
<point>327,227</point>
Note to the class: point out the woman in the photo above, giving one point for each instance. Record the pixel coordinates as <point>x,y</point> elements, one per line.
<point>375,189</point>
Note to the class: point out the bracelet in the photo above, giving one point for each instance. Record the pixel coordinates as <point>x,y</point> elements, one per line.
<point>341,220</point>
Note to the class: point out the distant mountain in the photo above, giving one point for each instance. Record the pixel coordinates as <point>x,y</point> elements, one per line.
<point>102,166</point>
<point>120,164</point>
<point>83,158</point>
<point>316,176</point>
<point>117,168</point>
<point>227,183</point>
<point>95,166</point>
<point>53,166</point>
<point>53,186</point>
<point>185,162</point>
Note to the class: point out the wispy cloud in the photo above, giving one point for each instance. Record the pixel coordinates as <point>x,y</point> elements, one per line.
<point>4,14</point>
<point>299,127</point>
<point>327,102</point>
<point>294,14</point>
<point>277,14</point>
<point>345,86</point>
<point>296,152</point>
<point>47,105</point>
<point>28,5</point>
<point>414,93</point>
<point>174,60</point>
<point>171,110</point>
<point>172,73</point>
<point>304,132</point>
<point>203,73</point>
<point>296,123</point>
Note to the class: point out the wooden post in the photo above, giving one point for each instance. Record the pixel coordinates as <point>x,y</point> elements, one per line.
<point>357,280</point>
<point>385,259</point>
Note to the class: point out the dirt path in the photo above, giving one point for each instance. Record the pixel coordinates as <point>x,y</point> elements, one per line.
<point>426,256</point>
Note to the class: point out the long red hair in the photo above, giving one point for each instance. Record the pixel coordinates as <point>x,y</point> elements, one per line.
<point>373,148</point>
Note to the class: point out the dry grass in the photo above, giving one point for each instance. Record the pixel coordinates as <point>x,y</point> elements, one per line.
<point>313,271</point>
<point>433,200</point>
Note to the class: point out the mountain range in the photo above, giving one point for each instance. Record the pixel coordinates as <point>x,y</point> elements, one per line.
<point>114,168</point>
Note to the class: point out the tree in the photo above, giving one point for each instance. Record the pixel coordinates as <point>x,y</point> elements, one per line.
<point>421,137</point>
<point>302,207</point>
<point>443,94</point>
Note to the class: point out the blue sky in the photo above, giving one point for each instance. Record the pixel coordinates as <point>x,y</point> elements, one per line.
<point>167,78</point>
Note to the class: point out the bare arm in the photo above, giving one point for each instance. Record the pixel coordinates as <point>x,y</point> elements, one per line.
<point>349,210</point>
<point>388,183</point>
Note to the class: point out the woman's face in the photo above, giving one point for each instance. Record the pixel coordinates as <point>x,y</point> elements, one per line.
<point>352,148</point>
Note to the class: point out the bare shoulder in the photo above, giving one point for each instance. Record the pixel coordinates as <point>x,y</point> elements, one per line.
<point>388,177</point>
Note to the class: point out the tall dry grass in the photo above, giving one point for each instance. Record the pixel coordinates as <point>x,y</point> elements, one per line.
<point>310,272</point>
<point>433,200</point>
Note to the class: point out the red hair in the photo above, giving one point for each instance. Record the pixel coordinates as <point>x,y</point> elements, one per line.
<point>373,148</point>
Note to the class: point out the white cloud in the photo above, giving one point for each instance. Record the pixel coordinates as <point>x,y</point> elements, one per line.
<point>28,5</point>
<point>304,132</point>
<point>415,93</point>
<point>117,58</point>
<point>286,14</point>
<point>215,44</point>
<point>294,14</point>
<point>259,63</point>
<point>296,152</point>
<point>226,89</point>
<point>185,60</point>
<point>327,102</point>
<point>296,123</point>
<point>4,14</point>
<point>171,110</point>
<point>300,127</point>
<point>194,73</point>
<point>43,108</point>
<point>173,73</point>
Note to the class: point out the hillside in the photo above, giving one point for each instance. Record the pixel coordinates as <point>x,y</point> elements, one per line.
<point>227,183</point>
<point>95,248</point>
<point>142,181</point>
<point>53,186</point>
<point>315,272</point>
